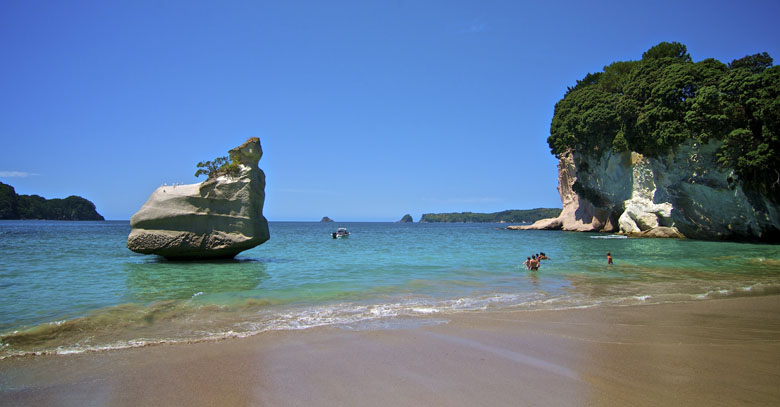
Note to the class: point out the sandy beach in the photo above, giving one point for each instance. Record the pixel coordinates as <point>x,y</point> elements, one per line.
<point>717,352</point>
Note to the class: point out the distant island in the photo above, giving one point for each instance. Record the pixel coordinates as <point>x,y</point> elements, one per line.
<point>406,219</point>
<point>14,206</point>
<point>326,219</point>
<point>509,216</point>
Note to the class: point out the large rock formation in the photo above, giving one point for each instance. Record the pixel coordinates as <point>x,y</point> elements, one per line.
<point>681,194</point>
<point>217,218</point>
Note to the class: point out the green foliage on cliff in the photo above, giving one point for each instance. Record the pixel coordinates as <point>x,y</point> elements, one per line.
<point>653,104</point>
<point>510,216</point>
<point>219,166</point>
<point>13,206</point>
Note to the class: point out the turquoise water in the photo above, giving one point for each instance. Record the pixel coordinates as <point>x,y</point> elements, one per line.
<point>73,286</point>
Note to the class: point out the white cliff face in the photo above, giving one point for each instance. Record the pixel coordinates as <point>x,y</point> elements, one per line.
<point>641,211</point>
<point>681,194</point>
<point>217,218</point>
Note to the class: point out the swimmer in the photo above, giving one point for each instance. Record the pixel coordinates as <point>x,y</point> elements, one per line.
<point>534,263</point>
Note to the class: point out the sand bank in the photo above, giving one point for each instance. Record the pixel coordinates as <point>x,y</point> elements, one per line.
<point>717,352</point>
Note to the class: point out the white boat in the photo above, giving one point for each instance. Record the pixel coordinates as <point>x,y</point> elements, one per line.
<point>341,233</point>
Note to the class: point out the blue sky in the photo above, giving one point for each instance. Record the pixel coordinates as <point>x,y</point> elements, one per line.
<point>366,110</point>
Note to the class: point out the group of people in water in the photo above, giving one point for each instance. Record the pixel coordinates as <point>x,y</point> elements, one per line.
<point>534,262</point>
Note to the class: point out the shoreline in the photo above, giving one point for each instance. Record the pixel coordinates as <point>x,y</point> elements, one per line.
<point>712,352</point>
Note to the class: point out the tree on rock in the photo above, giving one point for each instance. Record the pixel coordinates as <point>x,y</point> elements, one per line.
<point>219,166</point>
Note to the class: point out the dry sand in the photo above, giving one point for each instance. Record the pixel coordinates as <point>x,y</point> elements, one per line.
<point>710,353</point>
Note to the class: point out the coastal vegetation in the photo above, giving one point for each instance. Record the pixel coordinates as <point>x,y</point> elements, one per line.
<point>218,166</point>
<point>509,216</point>
<point>14,206</point>
<point>665,99</point>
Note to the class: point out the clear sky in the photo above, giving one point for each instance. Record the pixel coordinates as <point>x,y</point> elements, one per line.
<point>366,110</point>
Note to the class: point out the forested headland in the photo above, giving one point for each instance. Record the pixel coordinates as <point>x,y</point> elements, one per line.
<point>665,99</point>
<point>510,216</point>
<point>14,206</point>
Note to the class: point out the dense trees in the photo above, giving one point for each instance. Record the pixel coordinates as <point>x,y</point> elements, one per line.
<point>13,206</point>
<point>510,216</point>
<point>651,105</point>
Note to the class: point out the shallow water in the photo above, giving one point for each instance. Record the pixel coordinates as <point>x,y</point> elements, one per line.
<point>73,286</point>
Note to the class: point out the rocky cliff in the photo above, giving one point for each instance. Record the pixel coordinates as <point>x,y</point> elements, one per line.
<point>665,146</point>
<point>217,218</point>
<point>683,193</point>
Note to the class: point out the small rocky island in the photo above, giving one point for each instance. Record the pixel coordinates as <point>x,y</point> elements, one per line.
<point>14,206</point>
<point>326,219</point>
<point>406,219</point>
<point>215,219</point>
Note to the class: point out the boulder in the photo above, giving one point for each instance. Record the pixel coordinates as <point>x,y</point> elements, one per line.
<point>663,232</point>
<point>215,219</point>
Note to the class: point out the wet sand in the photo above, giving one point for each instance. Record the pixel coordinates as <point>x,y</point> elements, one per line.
<point>709,353</point>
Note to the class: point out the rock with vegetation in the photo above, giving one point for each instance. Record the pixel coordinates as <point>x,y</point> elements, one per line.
<point>217,218</point>
<point>13,206</point>
<point>509,216</point>
<point>406,219</point>
<point>665,146</point>
<point>326,219</point>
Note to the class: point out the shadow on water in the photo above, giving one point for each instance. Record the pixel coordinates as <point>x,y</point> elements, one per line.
<point>159,279</point>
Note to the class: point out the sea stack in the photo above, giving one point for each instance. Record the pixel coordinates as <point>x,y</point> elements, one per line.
<point>215,219</point>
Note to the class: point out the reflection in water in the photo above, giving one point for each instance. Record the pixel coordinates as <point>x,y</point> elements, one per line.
<point>166,280</point>
<point>533,275</point>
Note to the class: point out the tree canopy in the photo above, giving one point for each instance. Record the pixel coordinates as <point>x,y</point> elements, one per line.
<point>509,216</point>
<point>13,206</point>
<point>654,104</point>
<point>218,166</point>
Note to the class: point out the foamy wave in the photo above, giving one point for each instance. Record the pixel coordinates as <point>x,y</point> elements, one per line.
<point>257,320</point>
<point>256,316</point>
<point>756,289</point>
<point>426,310</point>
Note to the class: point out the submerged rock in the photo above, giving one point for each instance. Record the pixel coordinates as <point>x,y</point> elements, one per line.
<point>217,218</point>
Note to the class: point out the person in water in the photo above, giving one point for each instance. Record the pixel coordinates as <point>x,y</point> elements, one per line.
<point>534,263</point>
<point>543,256</point>
<point>527,263</point>
<point>609,258</point>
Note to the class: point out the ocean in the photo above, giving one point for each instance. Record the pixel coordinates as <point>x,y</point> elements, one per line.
<point>70,287</point>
